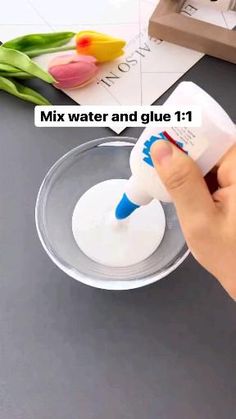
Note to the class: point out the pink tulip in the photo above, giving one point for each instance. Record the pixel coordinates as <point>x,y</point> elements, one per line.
<point>72,70</point>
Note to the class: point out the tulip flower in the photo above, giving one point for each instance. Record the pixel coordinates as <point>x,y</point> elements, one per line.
<point>102,47</point>
<point>72,70</point>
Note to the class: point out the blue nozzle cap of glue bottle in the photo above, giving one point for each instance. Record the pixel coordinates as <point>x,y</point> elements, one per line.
<point>125,208</point>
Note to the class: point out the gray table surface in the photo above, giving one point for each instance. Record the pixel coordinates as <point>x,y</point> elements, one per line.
<point>68,351</point>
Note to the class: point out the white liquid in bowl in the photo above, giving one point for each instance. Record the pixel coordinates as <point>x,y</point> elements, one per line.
<point>112,242</point>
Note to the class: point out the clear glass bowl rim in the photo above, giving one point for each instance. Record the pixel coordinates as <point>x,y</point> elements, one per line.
<point>70,271</point>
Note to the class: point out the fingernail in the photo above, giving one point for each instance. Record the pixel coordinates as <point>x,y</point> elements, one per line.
<point>162,150</point>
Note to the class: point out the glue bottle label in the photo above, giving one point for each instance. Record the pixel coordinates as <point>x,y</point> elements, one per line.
<point>183,138</point>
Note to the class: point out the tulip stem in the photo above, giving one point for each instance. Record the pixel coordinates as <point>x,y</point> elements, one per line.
<point>36,52</point>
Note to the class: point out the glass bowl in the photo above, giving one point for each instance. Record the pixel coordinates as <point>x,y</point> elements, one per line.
<point>72,175</point>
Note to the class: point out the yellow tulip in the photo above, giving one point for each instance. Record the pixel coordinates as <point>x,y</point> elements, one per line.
<point>102,47</point>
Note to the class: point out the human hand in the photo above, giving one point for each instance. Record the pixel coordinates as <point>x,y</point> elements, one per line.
<point>208,221</point>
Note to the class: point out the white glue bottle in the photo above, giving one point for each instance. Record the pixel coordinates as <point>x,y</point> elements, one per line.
<point>205,144</point>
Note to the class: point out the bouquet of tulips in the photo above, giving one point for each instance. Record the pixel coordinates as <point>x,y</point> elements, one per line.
<point>65,71</point>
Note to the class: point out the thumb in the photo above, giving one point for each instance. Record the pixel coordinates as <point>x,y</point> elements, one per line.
<point>183,180</point>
